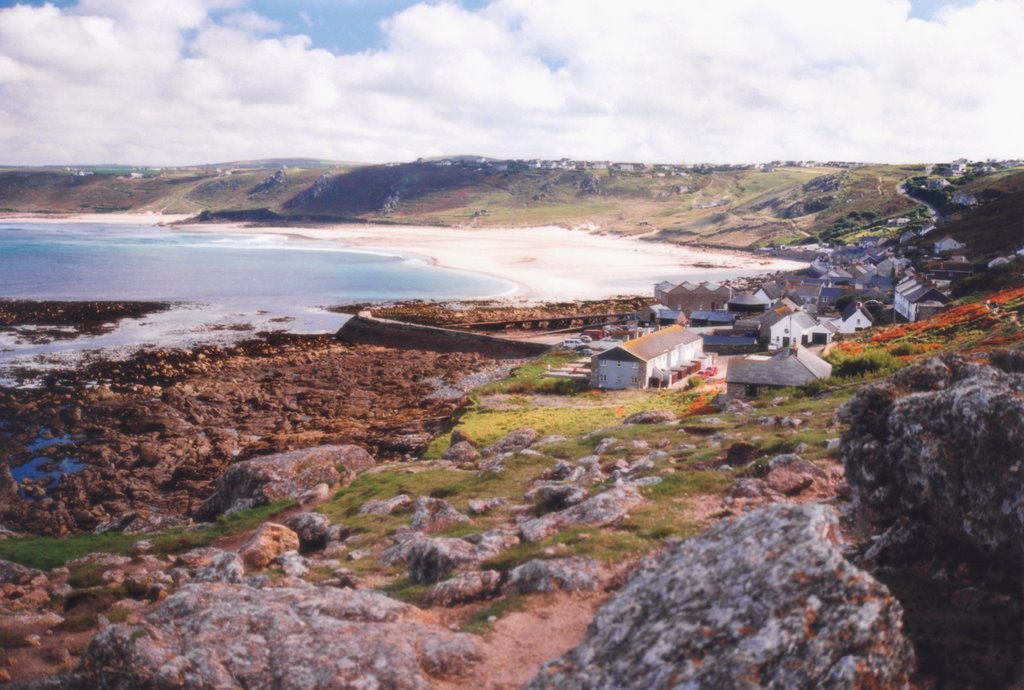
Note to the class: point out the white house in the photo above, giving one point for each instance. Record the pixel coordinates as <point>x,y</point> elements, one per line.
<point>854,318</point>
<point>947,244</point>
<point>915,301</point>
<point>661,359</point>
<point>799,328</point>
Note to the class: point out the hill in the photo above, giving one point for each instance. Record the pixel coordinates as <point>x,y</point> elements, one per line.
<point>727,206</point>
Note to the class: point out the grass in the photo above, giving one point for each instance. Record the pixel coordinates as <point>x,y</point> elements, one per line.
<point>47,553</point>
<point>480,623</point>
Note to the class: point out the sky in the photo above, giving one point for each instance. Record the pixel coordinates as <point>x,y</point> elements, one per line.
<point>151,82</point>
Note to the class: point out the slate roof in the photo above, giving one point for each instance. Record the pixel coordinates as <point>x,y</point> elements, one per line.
<point>649,346</point>
<point>748,300</point>
<point>788,368</point>
<point>729,340</point>
<point>717,316</point>
<point>852,309</point>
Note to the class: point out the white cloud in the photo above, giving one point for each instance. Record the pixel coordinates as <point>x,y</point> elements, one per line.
<point>144,81</point>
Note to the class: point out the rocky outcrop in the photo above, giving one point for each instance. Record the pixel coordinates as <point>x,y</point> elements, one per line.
<point>944,441</point>
<point>790,474</point>
<point>464,588</point>
<point>215,636</point>
<point>267,543</point>
<point>543,576</point>
<point>515,441</point>
<point>262,481</point>
<point>312,529</point>
<point>650,417</point>
<point>766,600</point>
<point>385,507</point>
<point>430,560</point>
<point>225,567</point>
<point>934,461</point>
<point>435,514</point>
<point>602,509</point>
<point>462,453</point>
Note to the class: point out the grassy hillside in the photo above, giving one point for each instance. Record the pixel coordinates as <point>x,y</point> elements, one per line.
<point>721,206</point>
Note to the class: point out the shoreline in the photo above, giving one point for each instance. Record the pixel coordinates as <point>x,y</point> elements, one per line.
<point>543,263</point>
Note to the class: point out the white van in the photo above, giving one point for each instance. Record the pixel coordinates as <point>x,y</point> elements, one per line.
<point>572,343</point>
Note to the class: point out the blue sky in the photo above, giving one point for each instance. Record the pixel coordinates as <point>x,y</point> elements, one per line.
<point>349,26</point>
<point>191,81</point>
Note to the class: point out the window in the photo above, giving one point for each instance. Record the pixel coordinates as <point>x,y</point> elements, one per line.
<point>636,365</point>
<point>618,363</point>
<point>603,377</point>
<point>604,362</point>
<point>636,379</point>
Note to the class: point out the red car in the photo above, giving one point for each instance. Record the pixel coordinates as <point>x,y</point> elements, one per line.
<point>707,373</point>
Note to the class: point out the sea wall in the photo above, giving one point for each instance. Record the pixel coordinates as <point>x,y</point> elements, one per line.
<point>365,329</point>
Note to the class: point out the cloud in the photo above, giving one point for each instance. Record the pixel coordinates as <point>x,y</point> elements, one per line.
<point>304,17</point>
<point>143,81</point>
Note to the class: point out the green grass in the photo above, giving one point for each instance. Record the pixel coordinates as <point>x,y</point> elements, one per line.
<point>51,552</point>
<point>479,622</point>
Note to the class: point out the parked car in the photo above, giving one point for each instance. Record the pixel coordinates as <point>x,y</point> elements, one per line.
<point>571,343</point>
<point>585,338</point>
<point>708,373</point>
<point>584,351</point>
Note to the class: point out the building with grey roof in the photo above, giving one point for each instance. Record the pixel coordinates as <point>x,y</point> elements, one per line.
<point>661,359</point>
<point>750,376</point>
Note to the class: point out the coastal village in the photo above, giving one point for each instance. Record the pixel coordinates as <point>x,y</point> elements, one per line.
<point>511,503</point>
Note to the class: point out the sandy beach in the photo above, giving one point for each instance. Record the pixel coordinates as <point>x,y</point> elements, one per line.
<point>545,263</point>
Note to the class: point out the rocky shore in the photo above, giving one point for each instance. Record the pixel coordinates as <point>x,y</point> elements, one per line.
<point>156,431</point>
<point>37,321</point>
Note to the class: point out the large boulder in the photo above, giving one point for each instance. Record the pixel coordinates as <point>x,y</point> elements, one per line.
<point>543,576</point>
<point>766,600</point>
<point>225,636</point>
<point>943,441</point>
<point>264,480</point>
<point>430,560</point>
<point>464,588</point>
<point>267,543</point>
<point>603,509</point>
<point>934,460</point>
<point>515,441</point>
<point>312,529</point>
<point>435,514</point>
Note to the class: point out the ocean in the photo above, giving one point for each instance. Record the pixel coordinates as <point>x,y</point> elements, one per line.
<point>268,281</point>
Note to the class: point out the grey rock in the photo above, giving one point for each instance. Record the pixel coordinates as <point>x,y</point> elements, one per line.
<point>605,445</point>
<point>225,567</point>
<point>435,514</point>
<point>790,474</point>
<point>602,509</point>
<point>543,576</point>
<point>216,636</point>
<point>264,480</point>
<point>556,495</point>
<point>312,529</point>
<point>520,439</point>
<point>465,588</point>
<point>197,558</point>
<point>292,564</point>
<point>558,471</point>
<point>399,551</point>
<point>430,560</point>
<point>650,417</point>
<point>12,573</point>
<point>462,453</point>
<point>479,506</point>
<point>766,600</point>
<point>385,507</point>
<point>493,542</point>
<point>943,441</point>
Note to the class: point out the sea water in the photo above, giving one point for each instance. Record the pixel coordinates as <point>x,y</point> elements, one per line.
<point>250,282</point>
